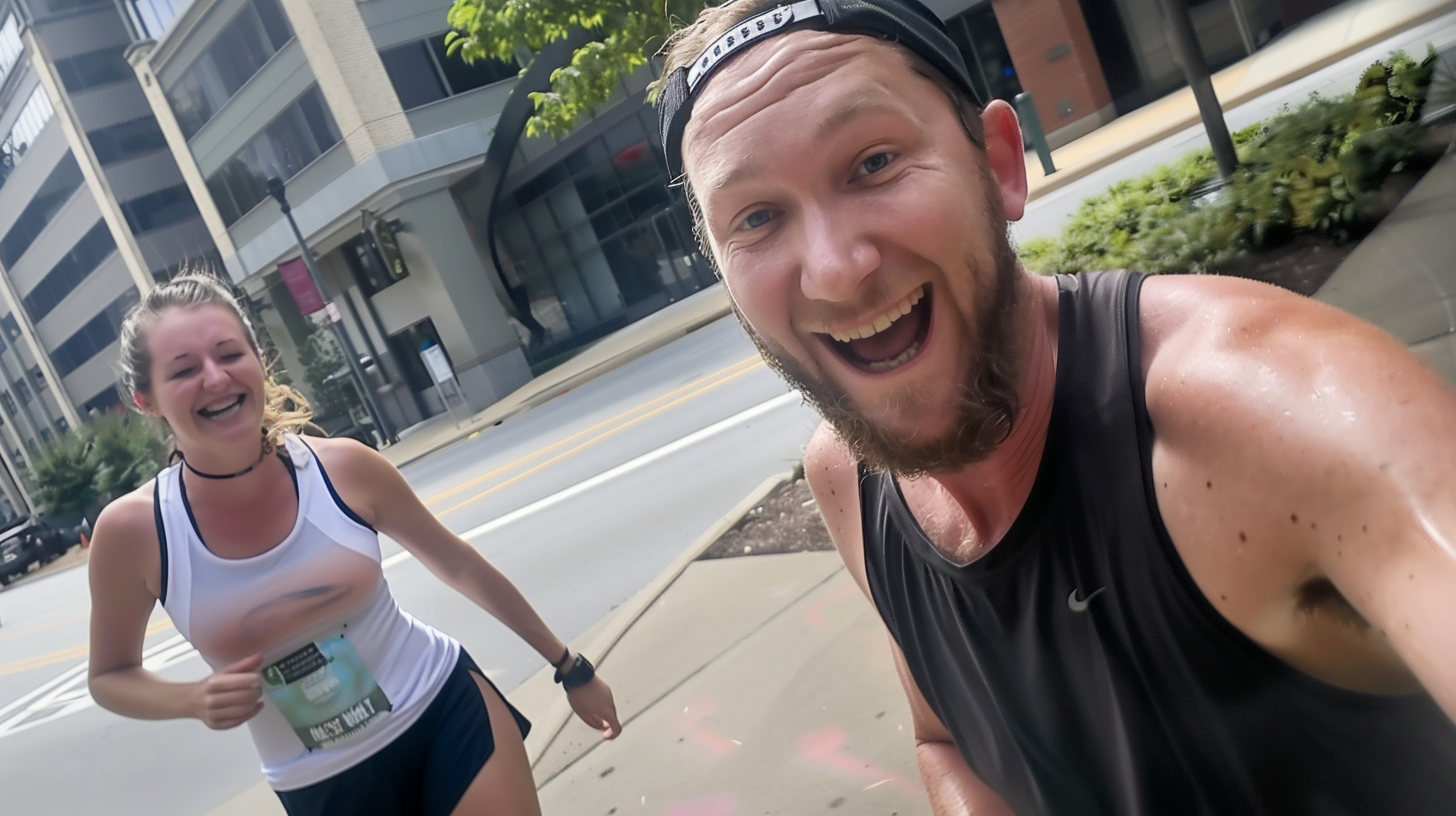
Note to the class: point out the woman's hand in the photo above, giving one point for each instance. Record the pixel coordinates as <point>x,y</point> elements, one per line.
<point>593,704</point>
<point>232,695</point>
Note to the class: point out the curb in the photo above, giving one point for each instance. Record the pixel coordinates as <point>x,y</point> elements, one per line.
<point>601,639</point>
<point>1065,176</point>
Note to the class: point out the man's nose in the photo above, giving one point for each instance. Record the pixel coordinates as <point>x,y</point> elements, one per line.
<point>838,256</point>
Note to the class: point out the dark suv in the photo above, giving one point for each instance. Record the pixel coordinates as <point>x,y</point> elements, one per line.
<point>32,541</point>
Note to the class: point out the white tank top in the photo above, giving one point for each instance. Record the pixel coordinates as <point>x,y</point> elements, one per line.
<point>345,669</point>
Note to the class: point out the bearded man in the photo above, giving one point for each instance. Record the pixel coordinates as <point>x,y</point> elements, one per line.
<point>1174,545</point>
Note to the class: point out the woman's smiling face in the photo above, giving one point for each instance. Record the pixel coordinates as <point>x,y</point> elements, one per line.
<point>207,381</point>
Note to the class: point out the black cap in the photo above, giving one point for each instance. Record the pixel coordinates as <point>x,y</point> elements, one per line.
<point>907,22</point>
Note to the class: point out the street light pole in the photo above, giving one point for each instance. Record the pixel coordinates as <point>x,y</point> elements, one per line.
<point>1184,40</point>
<point>361,383</point>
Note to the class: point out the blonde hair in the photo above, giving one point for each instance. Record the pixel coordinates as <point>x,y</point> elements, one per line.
<point>285,410</point>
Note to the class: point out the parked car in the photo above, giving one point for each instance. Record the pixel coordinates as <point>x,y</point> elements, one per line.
<point>32,542</point>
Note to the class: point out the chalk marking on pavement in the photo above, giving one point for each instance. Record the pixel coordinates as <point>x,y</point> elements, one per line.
<point>624,426</point>
<point>746,364</point>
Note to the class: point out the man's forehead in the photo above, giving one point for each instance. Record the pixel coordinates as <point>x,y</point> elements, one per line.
<point>849,72</point>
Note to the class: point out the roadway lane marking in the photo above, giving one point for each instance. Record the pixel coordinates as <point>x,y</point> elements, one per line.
<point>745,364</point>
<point>620,470</point>
<point>624,426</point>
<point>68,694</point>
<point>69,653</point>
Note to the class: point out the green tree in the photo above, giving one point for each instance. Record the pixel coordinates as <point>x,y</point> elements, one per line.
<point>79,472</point>
<point>127,451</point>
<point>630,32</point>
<point>65,476</point>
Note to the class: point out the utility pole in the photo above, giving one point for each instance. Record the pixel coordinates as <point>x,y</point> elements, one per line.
<point>361,383</point>
<point>1184,40</point>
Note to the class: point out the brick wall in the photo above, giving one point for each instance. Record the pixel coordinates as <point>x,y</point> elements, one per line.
<point>1054,59</point>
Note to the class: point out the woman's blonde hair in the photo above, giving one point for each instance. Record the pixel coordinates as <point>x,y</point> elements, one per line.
<point>285,410</point>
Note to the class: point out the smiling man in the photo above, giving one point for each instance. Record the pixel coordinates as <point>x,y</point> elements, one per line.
<point>1167,545</point>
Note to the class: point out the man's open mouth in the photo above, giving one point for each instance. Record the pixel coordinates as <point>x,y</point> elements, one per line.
<point>888,341</point>
<point>225,408</point>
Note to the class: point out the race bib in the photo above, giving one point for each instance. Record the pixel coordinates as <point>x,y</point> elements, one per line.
<point>325,692</point>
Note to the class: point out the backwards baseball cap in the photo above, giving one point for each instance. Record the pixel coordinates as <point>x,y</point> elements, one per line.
<point>907,22</point>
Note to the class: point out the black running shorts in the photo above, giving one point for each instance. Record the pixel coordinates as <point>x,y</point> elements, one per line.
<point>425,770</point>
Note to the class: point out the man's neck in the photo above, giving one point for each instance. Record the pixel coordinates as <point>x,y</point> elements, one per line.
<point>992,492</point>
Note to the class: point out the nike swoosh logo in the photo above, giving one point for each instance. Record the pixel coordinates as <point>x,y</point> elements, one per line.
<point>1080,604</point>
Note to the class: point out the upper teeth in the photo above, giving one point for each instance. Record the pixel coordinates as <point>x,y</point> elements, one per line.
<point>882,322</point>
<point>221,406</point>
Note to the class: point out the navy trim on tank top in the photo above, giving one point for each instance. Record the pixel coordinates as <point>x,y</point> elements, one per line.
<point>161,534</point>
<point>329,483</point>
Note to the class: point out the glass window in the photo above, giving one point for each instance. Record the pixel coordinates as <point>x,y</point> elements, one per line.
<point>12,328</point>
<point>163,208</point>
<point>421,72</point>
<point>53,194</point>
<point>10,45</point>
<point>109,398</point>
<point>21,391</point>
<point>127,140</point>
<point>94,69</point>
<point>248,41</point>
<point>32,119</point>
<point>413,74</point>
<point>38,379</point>
<point>68,273</point>
<point>152,17</point>
<point>92,338</point>
<point>292,141</point>
<point>463,76</point>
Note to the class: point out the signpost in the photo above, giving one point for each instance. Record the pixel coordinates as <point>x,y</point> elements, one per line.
<point>442,374</point>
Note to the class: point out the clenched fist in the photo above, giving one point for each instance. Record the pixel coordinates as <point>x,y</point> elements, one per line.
<point>232,695</point>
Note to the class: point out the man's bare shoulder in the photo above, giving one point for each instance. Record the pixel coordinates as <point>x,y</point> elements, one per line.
<point>1225,347</point>
<point>833,477</point>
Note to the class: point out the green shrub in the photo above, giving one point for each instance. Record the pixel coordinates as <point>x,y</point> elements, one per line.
<point>1305,169</point>
<point>79,472</point>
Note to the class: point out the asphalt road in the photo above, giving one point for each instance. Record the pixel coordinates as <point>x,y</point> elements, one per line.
<point>581,501</point>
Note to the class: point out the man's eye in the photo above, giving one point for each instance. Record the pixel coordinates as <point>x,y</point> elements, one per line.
<point>756,219</point>
<point>876,163</point>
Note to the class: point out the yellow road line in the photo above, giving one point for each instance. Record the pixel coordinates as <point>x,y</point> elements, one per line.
<point>523,474</point>
<point>729,371</point>
<point>69,653</point>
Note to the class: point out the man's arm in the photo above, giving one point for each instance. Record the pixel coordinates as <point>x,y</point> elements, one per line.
<point>1299,445</point>
<point>954,788</point>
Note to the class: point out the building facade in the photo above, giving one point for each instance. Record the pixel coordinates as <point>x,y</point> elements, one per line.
<point>93,209</point>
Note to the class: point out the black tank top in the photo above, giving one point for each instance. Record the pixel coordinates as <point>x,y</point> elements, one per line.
<point>1079,668</point>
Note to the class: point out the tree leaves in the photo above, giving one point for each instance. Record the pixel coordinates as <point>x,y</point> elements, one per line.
<point>633,31</point>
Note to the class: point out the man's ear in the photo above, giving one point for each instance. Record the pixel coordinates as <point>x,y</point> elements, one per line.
<point>1006,156</point>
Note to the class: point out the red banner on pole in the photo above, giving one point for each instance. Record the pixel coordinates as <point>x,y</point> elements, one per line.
<point>300,283</point>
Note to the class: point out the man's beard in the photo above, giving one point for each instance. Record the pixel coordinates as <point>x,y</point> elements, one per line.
<point>985,409</point>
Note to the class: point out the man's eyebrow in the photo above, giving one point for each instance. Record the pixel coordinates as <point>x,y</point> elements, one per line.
<point>858,106</point>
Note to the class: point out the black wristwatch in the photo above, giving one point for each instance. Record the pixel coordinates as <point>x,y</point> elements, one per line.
<point>580,673</point>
